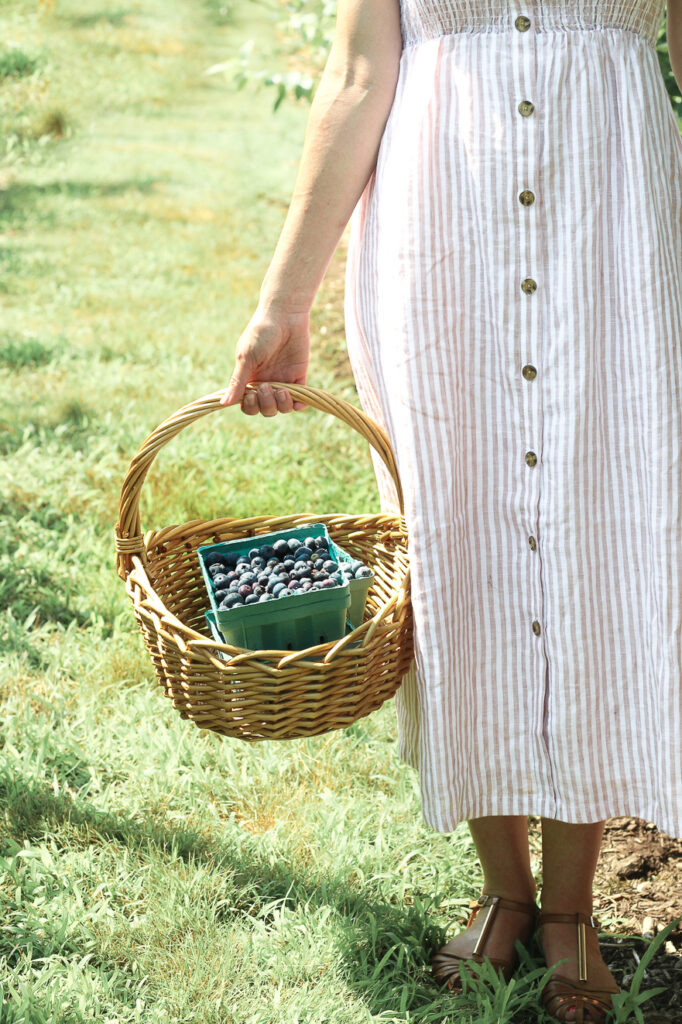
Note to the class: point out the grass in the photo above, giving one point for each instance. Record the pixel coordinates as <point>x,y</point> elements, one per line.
<point>149,871</point>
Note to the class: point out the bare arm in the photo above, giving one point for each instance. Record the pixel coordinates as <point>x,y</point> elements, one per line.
<point>345,125</point>
<point>347,118</point>
<point>673,32</point>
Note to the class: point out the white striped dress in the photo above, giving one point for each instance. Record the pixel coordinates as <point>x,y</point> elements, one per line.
<point>514,320</point>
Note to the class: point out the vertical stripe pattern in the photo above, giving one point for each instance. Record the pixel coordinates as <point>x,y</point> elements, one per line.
<point>513,316</point>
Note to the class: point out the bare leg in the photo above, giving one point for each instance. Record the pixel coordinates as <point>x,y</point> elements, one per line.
<point>502,846</point>
<point>501,843</point>
<point>569,860</point>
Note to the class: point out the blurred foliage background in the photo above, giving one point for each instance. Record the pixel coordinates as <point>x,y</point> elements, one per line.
<point>307,28</point>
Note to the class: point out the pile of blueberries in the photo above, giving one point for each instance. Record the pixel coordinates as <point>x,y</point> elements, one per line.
<point>278,570</point>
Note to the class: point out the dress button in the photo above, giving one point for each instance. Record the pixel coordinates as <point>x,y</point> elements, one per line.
<point>522,23</point>
<point>533,545</point>
<point>531,458</point>
<point>529,372</point>
<point>536,627</point>
<point>528,285</point>
<point>526,108</point>
<point>526,198</point>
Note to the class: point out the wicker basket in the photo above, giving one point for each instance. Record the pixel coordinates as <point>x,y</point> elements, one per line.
<point>266,694</point>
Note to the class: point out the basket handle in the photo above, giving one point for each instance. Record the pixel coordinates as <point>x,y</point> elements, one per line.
<point>129,539</point>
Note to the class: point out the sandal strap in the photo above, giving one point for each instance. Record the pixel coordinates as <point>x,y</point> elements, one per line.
<point>559,985</point>
<point>489,899</point>
<point>445,961</point>
<point>576,918</point>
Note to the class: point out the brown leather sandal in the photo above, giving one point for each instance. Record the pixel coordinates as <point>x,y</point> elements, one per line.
<point>465,946</point>
<point>562,994</point>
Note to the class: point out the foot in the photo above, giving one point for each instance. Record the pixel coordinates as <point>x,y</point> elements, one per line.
<point>506,926</point>
<point>558,941</point>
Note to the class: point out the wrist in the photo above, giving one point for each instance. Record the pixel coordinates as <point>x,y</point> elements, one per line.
<point>278,303</point>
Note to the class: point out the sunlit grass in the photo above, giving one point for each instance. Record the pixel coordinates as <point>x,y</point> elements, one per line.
<point>150,871</point>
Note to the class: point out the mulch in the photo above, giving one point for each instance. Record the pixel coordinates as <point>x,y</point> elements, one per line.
<point>638,891</point>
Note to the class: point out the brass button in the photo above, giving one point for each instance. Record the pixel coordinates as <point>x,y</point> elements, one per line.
<point>531,458</point>
<point>528,285</point>
<point>536,627</point>
<point>526,108</point>
<point>526,198</point>
<point>533,545</point>
<point>522,23</point>
<point>529,372</point>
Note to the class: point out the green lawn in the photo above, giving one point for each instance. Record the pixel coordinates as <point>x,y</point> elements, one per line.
<point>149,871</point>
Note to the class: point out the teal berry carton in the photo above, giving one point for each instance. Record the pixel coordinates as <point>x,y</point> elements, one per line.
<point>300,618</point>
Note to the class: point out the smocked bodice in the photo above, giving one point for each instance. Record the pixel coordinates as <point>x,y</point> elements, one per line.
<point>427,19</point>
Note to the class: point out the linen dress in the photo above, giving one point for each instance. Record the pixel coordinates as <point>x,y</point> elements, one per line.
<point>513,315</point>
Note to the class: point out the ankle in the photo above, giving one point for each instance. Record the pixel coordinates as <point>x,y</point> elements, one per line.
<point>518,893</point>
<point>561,905</point>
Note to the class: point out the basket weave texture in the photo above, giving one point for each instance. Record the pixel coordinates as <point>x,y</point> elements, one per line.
<point>266,694</point>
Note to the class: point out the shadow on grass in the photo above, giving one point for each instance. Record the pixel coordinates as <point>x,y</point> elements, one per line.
<point>22,200</point>
<point>114,17</point>
<point>385,947</point>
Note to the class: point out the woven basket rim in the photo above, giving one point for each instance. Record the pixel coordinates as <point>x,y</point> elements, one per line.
<point>194,640</point>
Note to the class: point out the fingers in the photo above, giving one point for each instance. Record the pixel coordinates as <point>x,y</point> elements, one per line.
<point>267,401</point>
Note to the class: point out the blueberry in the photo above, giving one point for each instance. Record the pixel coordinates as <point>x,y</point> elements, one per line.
<point>252,599</point>
<point>258,590</point>
<point>220,580</point>
<point>266,552</point>
<point>212,558</point>
<point>293,544</point>
<point>310,543</point>
<point>248,577</point>
<point>288,563</point>
<point>328,583</point>
<point>266,597</point>
<point>245,590</point>
<point>338,578</point>
<point>231,602</point>
<point>322,543</point>
<point>302,552</point>
<point>355,565</point>
<point>216,567</point>
<point>220,595</point>
<point>272,561</point>
<point>234,586</point>
<point>363,572</point>
<point>263,578</point>
<point>303,572</point>
<point>277,589</point>
<point>294,584</point>
<point>280,547</point>
<point>257,562</point>
<point>253,553</point>
<point>330,565</point>
<point>232,557</point>
<point>284,593</point>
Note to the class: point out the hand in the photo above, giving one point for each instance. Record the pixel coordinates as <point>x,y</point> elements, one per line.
<point>273,346</point>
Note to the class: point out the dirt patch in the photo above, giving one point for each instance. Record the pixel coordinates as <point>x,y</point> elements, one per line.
<point>638,891</point>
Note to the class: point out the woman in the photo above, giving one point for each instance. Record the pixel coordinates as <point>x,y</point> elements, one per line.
<point>514,321</point>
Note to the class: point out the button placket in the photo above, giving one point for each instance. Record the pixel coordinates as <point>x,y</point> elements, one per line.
<point>526,198</point>
<point>529,372</point>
